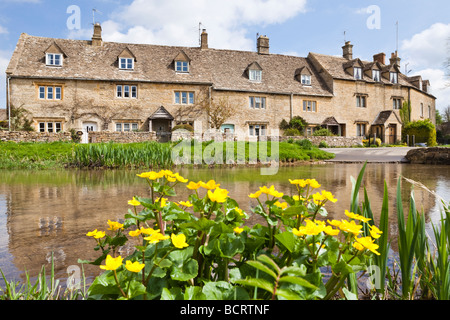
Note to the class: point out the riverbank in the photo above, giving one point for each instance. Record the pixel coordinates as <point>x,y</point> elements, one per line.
<point>58,155</point>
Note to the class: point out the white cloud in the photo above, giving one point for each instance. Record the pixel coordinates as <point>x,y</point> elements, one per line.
<point>176,22</point>
<point>3,30</point>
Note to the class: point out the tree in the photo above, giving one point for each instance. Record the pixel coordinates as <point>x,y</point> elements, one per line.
<point>218,110</point>
<point>446,115</point>
<point>438,118</point>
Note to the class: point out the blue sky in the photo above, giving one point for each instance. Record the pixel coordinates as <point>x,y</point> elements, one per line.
<point>294,27</point>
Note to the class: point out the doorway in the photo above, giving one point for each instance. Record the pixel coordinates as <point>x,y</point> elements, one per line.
<point>88,127</point>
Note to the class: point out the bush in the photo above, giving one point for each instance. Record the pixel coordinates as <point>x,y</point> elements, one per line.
<point>322,132</point>
<point>295,127</point>
<point>424,131</point>
<point>323,144</point>
<point>292,132</point>
<point>305,144</point>
<point>377,142</point>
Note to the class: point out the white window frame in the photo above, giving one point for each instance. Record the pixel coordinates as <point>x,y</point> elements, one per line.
<point>182,66</point>
<point>376,75</point>
<point>51,59</point>
<point>393,77</point>
<point>255,75</point>
<point>126,63</point>
<point>50,93</point>
<point>127,126</point>
<point>184,97</point>
<point>126,91</point>
<point>357,73</point>
<point>257,102</point>
<point>253,128</point>
<point>305,79</point>
<point>396,103</point>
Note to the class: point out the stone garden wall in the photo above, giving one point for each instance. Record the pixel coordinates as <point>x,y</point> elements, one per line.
<point>23,136</point>
<point>121,137</point>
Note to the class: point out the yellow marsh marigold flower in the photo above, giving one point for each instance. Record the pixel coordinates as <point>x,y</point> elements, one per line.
<point>271,191</point>
<point>358,246</point>
<point>135,233</point>
<point>255,195</point>
<point>156,237</point>
<point>171,179</point>
<point>162,202</point>
<point>134,266</point>
<point>310,229</point>
<point>148,231</point>
<point>239,210</point>
<point>210,185</point>
<point>219,195</point>
<point>180,178</point>
<point>368,243</point>
<point>151,175</point>
<point>186,203</point>
<point>313,183</point>
<point>324,196</point>
<point>335,223</point>
<point>114,225</point>
<point>134,202</point>
<point>330,231</point>
<point>194,185</point>
<point>112,263</point>
<point>350,227</point>
<point>356,216</point>
<point>238,230</point>
<point>375,232</point>
<point>282,205</point>
<point>179,241</point>
<point>297,198</point>
<point>96,234</point>
<point>300,182</point>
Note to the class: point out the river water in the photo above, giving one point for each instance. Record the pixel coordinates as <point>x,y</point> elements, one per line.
<point>49,212</point>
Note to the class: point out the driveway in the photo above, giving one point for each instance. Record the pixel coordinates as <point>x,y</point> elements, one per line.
<point>386,154</point>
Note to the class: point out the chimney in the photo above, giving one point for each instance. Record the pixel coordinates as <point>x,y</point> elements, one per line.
<point>395,60</point>
<point>97,36</point>
<point>347,51</point>
<point>262,45</point>
<point>380,57</point>
<point>204,40</point>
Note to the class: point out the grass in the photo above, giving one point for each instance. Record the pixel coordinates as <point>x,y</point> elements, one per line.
<point>29,155</point>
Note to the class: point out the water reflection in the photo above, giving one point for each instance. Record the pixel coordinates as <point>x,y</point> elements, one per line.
<point>47,212</point>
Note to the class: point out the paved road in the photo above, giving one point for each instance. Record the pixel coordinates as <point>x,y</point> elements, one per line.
<point>393,154</point>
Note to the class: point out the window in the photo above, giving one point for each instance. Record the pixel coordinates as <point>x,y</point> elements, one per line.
<point>255,75</point>
<point>50,93</point>
<point>126,126</point>
<point>357,73</point>
<point>309,106</point>
<point>54,59</point>
<point>126,91</point>
<point>306,79</point>
<point>257,102</point>
<point>376,75</point>
<point>393,77</point>
<point>181,66</point>
<point>360,129</point>
<point>257,130</point>
<point>309,131</point>
<point>50,126</point>
<point>361,101</point>
<point>397,103</point>
<point>126,63</point>
<point>421,110</point>
<point>184,97</point>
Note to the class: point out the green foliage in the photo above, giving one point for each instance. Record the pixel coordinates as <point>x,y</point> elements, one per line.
<point>405,112</point>
<point>292,132</point>
<point>294,127</point>
<point>424,131</point>
<point>322,132</point>
<point>187,127</point>
<point>323,144</point>
<point>305,144</point>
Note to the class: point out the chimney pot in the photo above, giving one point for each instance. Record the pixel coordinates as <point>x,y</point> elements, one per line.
<point>380,57</point>
<point>262,45</point>
<point>97,36</point>
<point>395,60</point>
<point>347,50</point>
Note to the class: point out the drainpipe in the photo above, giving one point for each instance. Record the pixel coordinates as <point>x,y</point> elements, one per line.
<point>292,105</point>
<point>8,102</point>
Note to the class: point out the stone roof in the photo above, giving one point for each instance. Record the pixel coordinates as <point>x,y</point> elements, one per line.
<point>224,69</point>
<point>383,116</point>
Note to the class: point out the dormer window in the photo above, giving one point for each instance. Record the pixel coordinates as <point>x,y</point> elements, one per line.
<point>126,63</point>
<point>393,77</point>
<point>357,73</point>
<point>255,75</point>
<point>181,66</point>
<point>54,59</point>
<point>376,75</point>
<point>306,79</point>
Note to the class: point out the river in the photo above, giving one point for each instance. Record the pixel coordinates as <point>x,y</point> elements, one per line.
<point>45,212</point>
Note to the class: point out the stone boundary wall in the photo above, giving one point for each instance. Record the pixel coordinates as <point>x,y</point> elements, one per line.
<point>431,155</point>
<point>121,137</point>
<point>331,141</point>
<point>32,136</point>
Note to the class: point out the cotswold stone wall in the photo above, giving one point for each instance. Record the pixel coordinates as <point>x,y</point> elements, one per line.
<point>23,136</point>
<point>330,141</point>
<point>121,137</point>
<point>432,155</point>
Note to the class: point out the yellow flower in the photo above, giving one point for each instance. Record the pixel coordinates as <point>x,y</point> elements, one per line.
<point>313,183</point>
<point>112,263</point>
<point>358,246</point>
<point>135,233</point>
<point>179,241</point>
<point>219,195</point>
<point>300,182</point>
<point>162,202</point>
<point>210,185</point>
<point>194,185</point>
<point>350,227</point>
<point>297,198</point>
<point>271,191</point>
<point>186,204</point>
<point>96,234</point>
<point>282,205</point>
<point>239,210</point>
<point>133,202</point>
<point>330,231</point>
<point>148,231</point>
<point>238,230</point>
<point>368,243</point>
<point>311,228</point>
<point>134,266</point>
<point>171,179</point>
<point>152,175</point>
<point>156,237</point>
<point>255,195</point>
<point>324,196</point>
<point>375,232</point>
<point>114,225</point>
<point>180,178</point>
<point>356,216</point>
<point>335,223</point>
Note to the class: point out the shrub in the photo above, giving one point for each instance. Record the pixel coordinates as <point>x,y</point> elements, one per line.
<point>305,144</point>
<point>322,132</point>
<point>295,127</point>
<point>292,132</point>
<point>323,144</point>
<point>424,131</point>
<point>377,142</point>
